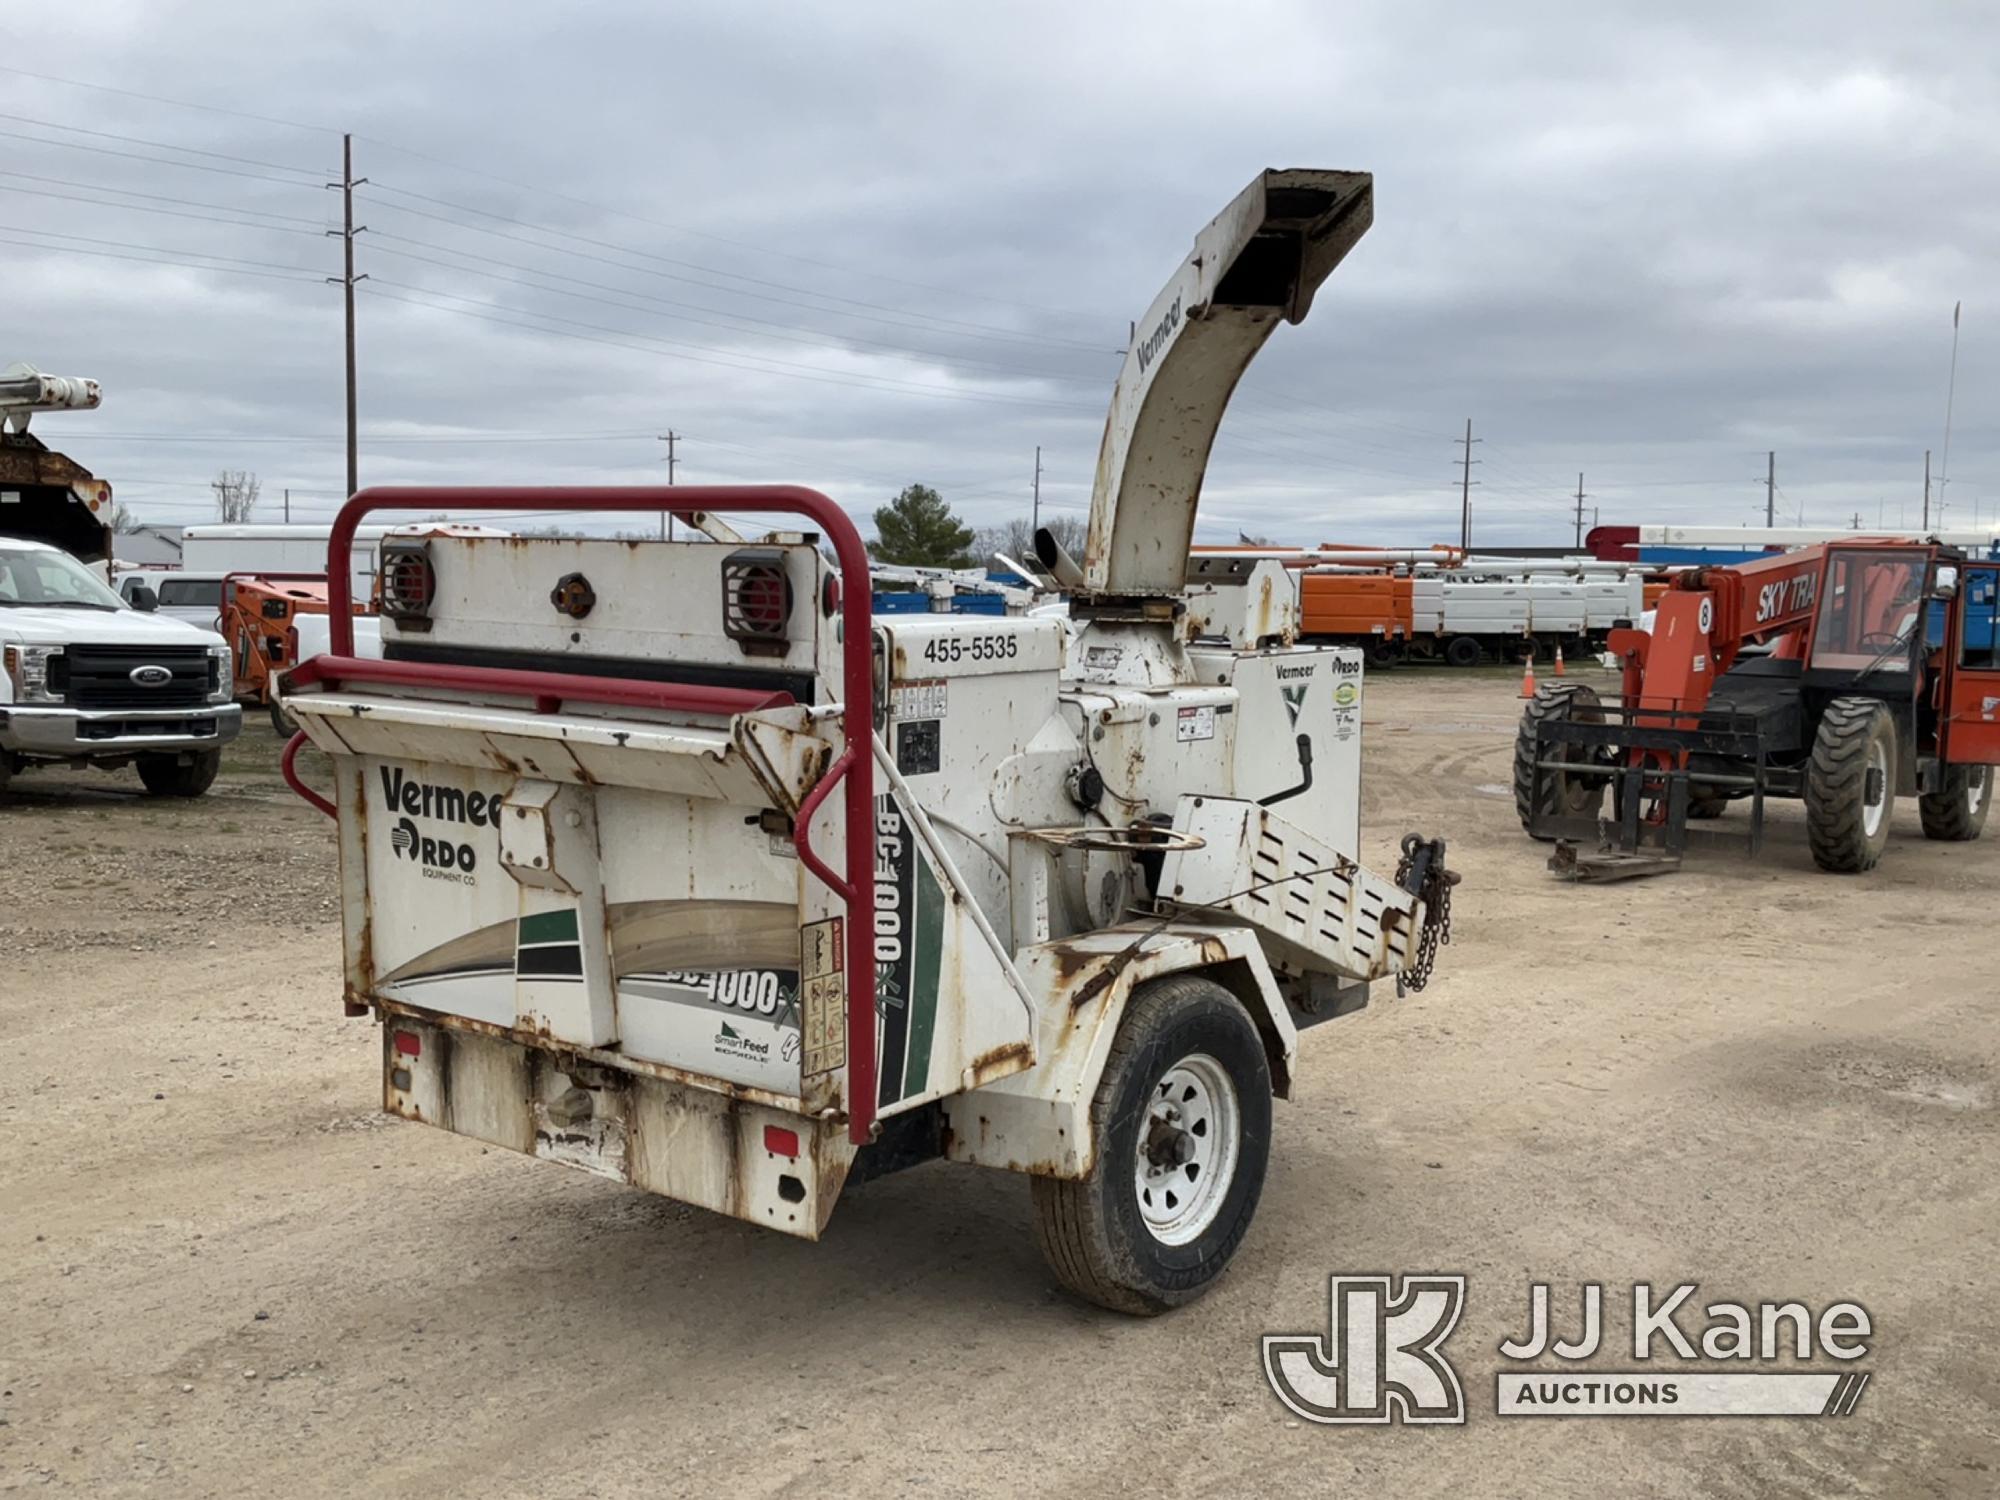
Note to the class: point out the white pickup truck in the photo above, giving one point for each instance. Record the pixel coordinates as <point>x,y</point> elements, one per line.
<point>92,679</point>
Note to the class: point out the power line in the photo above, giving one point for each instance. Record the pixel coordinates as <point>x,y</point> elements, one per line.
<point>213,109</point>
<point>880,313</point>
<point>158,161</point>
<point>830,340</point>
<point>139,140</point>
<point>237,268</point>
<point>621,340</point>
<point>105,187</point>
<point>548,192</point>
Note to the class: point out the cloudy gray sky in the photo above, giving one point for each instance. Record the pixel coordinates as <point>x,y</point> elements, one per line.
<point>862,244</point>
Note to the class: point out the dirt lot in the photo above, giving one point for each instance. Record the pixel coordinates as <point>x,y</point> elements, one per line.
<point>222,1272</point>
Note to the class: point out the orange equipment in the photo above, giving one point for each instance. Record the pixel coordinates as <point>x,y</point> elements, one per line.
<point>1842,674</point>
<point>257,609</point>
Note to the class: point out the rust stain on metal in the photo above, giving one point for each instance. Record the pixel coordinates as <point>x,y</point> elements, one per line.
<point>996,1062</point>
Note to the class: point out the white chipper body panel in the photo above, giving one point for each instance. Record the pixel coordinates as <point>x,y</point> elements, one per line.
<point>665,861</point>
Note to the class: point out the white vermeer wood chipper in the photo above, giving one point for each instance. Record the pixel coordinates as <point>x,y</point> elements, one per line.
<point>665,860</point>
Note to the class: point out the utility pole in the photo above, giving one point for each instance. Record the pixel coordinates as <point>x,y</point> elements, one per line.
<point>1770,489</point>
<point>1465,489</point>
<point>1036,522</point>
<point>670,438</point>
<point>1927,492</point>
<point>1951,390</point>
<point>288,505</point>
<point>1580,498</point>
<point>347,231</point>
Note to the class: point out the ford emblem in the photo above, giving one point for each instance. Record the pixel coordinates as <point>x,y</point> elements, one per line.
<point>151,676</point>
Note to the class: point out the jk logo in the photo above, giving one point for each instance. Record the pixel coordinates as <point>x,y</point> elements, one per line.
<point>1380,1361</point>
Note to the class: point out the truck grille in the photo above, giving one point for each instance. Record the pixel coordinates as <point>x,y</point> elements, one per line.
<point>101,676</point>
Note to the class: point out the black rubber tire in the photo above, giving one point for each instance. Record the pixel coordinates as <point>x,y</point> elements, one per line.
<point>1836,785</point>
<point>169,776</point>
<point>1091,1230</point>
<point>1554,700</point>
<point>1703,808</point>
<point>1462,651</point>
<point>282,723</point>
<point>1957,812</point>
<point>1384,653</point>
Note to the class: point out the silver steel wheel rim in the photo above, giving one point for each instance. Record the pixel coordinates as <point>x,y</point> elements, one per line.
<point>1977,789</point>
<point>1189,1140</point>
<point>1874,790</point>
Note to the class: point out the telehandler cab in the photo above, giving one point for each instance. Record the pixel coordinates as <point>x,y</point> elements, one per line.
<point>666,861</point>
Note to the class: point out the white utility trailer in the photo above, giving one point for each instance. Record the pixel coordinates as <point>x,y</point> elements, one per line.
<point>666,861</point>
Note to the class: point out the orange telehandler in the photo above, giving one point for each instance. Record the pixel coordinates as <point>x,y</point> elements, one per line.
<point>1843,674</point>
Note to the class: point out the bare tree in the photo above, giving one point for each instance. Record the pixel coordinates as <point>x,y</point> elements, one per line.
<point>235,494</point>
<point>122,519</point>
<point>1016,538</point>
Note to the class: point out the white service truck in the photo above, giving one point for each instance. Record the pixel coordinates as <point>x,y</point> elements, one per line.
<point>86,676</point>
<point>666,861</point>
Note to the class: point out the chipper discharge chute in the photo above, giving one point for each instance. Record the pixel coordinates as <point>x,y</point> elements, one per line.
<point>665,860</point>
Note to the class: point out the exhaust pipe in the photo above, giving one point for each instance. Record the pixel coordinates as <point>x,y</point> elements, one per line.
<point>1057,563</point>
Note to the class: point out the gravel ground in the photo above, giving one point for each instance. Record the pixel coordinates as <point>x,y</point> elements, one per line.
<point>223,1272</point>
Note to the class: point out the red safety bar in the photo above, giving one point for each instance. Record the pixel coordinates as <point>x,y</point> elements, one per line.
<point>288,763</point>
<point>547,690</point>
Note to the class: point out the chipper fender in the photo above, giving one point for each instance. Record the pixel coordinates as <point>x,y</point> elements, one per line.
<point>1039,1121</point>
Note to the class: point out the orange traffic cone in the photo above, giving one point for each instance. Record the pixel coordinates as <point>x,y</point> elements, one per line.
<point>1528,677</point>
<point>1559,661</point>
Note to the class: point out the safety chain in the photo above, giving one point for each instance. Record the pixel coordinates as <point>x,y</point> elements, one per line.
<point>1434,890</point>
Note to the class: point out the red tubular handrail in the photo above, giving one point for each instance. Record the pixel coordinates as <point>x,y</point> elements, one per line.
<point>855,764</point>
<point>288,763</point>
<point>549,690</point>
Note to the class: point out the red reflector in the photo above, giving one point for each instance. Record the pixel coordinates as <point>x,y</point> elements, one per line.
<point>409,1044</point>
<point>780,1141</point>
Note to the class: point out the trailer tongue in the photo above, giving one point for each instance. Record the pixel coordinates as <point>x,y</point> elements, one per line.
<point>666,861</point>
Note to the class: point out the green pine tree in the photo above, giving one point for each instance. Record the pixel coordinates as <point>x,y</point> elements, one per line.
<point>918,530</point>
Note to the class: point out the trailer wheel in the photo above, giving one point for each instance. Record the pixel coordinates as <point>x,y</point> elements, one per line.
<point>168,776</point>
<point>1564,794</point>
<point>1462,651</point>
<point>1957,812</point>
<point>1182,1119</point>
<point>283,723</point>
<point>1851,785</point>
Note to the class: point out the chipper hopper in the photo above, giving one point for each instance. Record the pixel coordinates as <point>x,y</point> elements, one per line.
<point>665,860</point>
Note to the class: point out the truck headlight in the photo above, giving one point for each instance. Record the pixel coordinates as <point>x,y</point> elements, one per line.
<point>221,679</point>
<point>39,673</point>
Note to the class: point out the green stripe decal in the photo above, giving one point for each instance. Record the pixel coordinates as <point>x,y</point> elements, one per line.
<point>549,927</point>
<point>928,938</point>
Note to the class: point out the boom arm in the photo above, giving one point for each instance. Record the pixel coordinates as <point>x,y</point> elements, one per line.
<point>1708,616</point>
<point>1261,259</point>
<point>24,390</point>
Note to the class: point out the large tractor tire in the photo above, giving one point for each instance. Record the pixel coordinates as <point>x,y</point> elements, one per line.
<point>1956,812</point>
<point>168,775</point>
<point>1182,1119</point>
<point>1563,794</point>
<point>1851,785</point>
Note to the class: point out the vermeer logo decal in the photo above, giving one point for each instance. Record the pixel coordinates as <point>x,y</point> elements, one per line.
<point>440,858</point>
